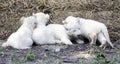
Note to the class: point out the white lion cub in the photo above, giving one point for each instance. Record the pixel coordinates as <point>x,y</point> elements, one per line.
<point>43,35</point>
<point>22,38</point>
<point>88,28</point>
<point>60,33</point>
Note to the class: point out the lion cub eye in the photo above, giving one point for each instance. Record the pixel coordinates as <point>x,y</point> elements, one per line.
<point>74,30</point>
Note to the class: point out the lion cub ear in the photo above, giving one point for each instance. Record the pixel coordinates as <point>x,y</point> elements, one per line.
<point>47,16</point>
<point>64,22</point>
<point>22,19</point>
<point>34,15</point>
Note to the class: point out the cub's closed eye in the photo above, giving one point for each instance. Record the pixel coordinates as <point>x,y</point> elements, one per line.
<point>66,28</point>
<point>73,30</point>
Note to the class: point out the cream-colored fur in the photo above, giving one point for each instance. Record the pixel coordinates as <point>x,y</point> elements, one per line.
<point>60,33</point>
<point>21,39</point>
<point>89,28</point>
<point>51,34</point>
<point>43,35</point>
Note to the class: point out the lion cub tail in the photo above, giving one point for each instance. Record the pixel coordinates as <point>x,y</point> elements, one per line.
<point>105,33</point>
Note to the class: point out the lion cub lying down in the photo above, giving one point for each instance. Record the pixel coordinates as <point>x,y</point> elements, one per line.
<point>60,33</point>
<point>22,38</point>
<point>89,28</point>
<point>50,34</point>
<point>41,34</point>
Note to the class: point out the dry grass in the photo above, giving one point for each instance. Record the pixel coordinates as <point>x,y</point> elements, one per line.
<point>106,11</point>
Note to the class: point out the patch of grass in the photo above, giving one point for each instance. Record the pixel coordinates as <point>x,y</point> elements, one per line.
<point>80,61</point>
<point>100,60</point>
<point>45,59</point>
<point>11,59</point>
<point>20,60</point>
<point>53,54</point>
<point>116,57</point>
<point>91,62</point>
<point>29,56</point>
<point>1,50</point>
<point>46,56</point>
<point>117,54</point>
<point>57,61</point>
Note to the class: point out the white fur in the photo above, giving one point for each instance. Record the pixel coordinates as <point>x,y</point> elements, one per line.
<point>21,39</point>
<point>41,18</point>
<point>43,35</point>
<point>51,34</point>
<point>89,28</point>
<point>60,33</point>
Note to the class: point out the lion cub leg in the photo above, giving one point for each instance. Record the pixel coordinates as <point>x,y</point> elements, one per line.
<point>66,41</point>
<point>5,45</point>
<point>102,40</point>
<point>92,38</point>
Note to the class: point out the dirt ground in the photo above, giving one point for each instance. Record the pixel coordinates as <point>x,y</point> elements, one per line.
<point>61,54</point>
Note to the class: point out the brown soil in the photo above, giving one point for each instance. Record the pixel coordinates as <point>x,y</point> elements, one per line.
<point>49,54</point>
